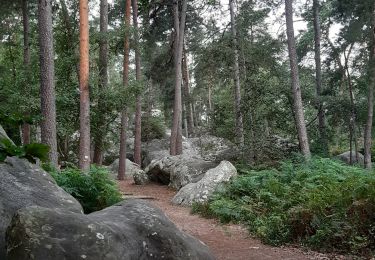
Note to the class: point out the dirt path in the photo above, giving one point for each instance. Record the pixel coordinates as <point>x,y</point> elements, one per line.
<point>225,241</point>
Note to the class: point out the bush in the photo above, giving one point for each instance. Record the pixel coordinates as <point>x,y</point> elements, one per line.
<point>152,128</point>
<point>321,203</point>
<point>95,190</point>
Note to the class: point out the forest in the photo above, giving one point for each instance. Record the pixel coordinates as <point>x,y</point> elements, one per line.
<point>135,122</point>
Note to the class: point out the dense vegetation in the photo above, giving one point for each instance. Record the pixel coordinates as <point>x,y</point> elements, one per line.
<point>95,190</point>
<point>83,77</point>
<point>321,203</point>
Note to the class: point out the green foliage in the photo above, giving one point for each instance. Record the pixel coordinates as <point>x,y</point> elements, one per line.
<point>152,128</point>
<point>94,190</point>
<point>321,203</point>
<point>31,152</point>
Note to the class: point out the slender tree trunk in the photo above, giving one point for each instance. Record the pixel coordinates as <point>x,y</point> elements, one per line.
<point>370,102</point>
<point>353,119</point>
<point>47,78</point>
<point>103,81</point>
<point>138,104</point>
<point>318,72</point>
<point>298,106</point>
<point>26,128</point>
<point>125,82</point>
<point>84,145</point>
<point>176,134</point>
<point>240,140</point>
<point>187,96</point>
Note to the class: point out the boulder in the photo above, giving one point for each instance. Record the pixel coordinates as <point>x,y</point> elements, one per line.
<point>131,168</point>
<point>23,184</point>
<point>214,148</point>
<point>345,157</point>
<point>178,171</point>
<point>140,178</point>
<point>159,148</point>
<point>3,135</point>
<point>203,189</point>
<point>130,230</point>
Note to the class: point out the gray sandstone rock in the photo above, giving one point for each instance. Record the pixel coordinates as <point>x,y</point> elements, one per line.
<point>203,189</point>
<point>23,184</point>
<point>130,230</point>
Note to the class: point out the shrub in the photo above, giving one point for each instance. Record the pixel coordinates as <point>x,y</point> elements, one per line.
<point>95,190</point>
<point>321,203</point>
<point>152,128</point>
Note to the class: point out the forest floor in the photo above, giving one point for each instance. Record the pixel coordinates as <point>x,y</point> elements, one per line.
<point>225,241</point>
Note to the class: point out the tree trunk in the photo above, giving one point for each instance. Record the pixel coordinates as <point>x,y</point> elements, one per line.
<point>187,96</point>
<point>47,79</point>
<point>138,73</point>
<point>370,112</point>
<point>26,128</point>
<point>352,121</point>
<point>176,134</point>
<point>318,73</point>
<point>240,140</point>
<point>298,107</point>
<point>125,82</point>
<point>103,81</point>
<point>84,145</point>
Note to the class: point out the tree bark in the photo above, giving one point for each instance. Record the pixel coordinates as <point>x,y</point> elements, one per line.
<point>26,128</point>
<point>298,106</point>
<point>47,79</point>
<point>370,112</point>
<point>176,134</point>
<point>318,75</point>
<point>352,120</point>
<point>125,82</point>
<point>240,140</point>
<point>103,81</point>
<point>138,74</point>
<point>84,145</point>
<point>187,95</point>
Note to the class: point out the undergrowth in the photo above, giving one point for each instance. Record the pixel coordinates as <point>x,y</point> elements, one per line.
<point>321,203</point>
<point>94,190</point>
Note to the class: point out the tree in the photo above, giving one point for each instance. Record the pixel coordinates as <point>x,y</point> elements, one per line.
<point>84,144</point>
<point>125,82</point>
<point>103,80</point>
<point>138,105</point>
<point>47,77</point>
<point>370,102</point>
<point>26,62</point>
<point>179,27</point>
<point>298,106</point>
<point>187,96</point>
<point>240,139</point>
<point>318,77</point>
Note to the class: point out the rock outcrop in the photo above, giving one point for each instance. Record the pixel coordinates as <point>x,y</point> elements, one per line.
<point>130,230</point>
<point>203,189</point>
<point>3,135</point>
<point>345,157</point>
<point>178,171</point>
<point>23,184</point>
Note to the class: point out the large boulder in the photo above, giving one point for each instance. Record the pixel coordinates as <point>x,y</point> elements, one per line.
<point>130,230</point>
<point>345,157</point>
<point>23,184</point>
<point>203,189</point>
<point>178,171</point>
<point>159,148</point>
<point>214,148</point>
